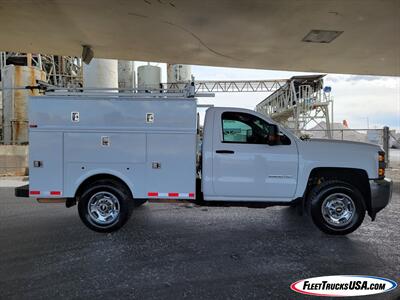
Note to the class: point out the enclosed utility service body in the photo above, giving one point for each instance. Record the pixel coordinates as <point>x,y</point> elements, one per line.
<point>111,153</point>
<point>149,144</point>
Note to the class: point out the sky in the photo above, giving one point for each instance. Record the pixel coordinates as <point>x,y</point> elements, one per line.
<point>364,101</point>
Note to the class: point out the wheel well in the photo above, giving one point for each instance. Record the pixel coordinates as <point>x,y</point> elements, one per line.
<point>96,177</point>
<point>355,177</point>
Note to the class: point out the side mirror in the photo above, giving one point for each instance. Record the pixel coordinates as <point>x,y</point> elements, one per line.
<point>273,137</point>
<point>275,130</point>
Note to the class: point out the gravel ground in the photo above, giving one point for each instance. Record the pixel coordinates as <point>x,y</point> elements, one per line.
<point>174,251</point>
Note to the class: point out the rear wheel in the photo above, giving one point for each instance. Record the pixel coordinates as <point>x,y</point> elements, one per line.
<point>336,207</point>
<point>105,205</point>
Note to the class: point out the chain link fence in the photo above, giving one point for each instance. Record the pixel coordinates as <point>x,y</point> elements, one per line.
<point>374,136</point>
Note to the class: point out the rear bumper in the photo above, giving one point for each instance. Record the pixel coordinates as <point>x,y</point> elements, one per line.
<point>22,191</point>
<point>381,193</point>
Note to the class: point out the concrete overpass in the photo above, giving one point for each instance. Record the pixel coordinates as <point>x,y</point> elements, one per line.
<point>336,36</point>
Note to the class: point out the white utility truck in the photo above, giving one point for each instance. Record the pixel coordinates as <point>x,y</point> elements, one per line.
<point>110,152</point>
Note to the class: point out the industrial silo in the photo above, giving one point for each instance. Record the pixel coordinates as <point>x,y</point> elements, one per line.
<point>149,77</point>
<point>101,73</point>
<point>178,73</point>
<point>126,75</point>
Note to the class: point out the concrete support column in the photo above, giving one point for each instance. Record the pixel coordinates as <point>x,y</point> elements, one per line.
<point>15,101</point>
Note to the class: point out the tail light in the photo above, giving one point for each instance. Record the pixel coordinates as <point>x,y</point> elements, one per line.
<point>382,164</point>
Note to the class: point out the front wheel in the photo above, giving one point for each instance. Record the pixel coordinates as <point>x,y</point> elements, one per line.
<point>336,207</point>
<point>105,205</point>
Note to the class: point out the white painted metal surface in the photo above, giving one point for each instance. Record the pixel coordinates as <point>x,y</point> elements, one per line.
<point>316,153</point>
<point>269,173</point>
<point>252,170</point>
<point>149,143</point>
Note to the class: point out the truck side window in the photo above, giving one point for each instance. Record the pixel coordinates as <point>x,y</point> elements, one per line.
<point>238,127</point>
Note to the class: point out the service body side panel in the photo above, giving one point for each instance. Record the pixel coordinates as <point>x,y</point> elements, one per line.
<point>123,137</point>
<point>207,154</point>
<point>46,148</point>
<point>124,156</point>
<point>171,163</point>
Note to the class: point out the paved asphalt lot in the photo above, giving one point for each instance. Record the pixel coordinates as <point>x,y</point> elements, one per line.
<point>174,251</point>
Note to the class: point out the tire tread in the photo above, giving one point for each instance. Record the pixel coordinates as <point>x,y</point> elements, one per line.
<point>313,199</point>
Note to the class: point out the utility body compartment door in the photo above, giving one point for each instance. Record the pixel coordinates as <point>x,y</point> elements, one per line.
<point>246,167</point>
<point>45,163</point>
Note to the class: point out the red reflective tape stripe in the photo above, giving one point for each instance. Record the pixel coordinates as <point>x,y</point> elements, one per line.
<point>172,194</point>
<point>34,192</point>
<point>55,193</point>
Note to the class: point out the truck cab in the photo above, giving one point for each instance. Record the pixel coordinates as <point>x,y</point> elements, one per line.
<point>247,158</point>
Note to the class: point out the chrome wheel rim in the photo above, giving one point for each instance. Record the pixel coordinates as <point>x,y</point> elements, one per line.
<point>103,208</point>
<point>338,209</point>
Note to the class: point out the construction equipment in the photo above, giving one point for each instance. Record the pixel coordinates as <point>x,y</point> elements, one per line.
<point>300,102</point>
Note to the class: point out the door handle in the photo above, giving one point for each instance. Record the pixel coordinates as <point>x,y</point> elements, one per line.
<point>225,151</point>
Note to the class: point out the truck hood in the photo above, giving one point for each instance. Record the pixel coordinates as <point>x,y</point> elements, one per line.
<point>340,144</point>
<point>320,153</point>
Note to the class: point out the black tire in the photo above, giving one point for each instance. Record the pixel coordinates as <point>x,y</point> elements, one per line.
<point>339,191</point>
<point>114,194</point>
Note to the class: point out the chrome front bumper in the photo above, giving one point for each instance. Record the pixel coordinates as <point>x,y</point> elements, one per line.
<point>381,193</point>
